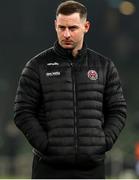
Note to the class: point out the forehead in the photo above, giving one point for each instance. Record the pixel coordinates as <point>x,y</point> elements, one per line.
<point>69,19</point>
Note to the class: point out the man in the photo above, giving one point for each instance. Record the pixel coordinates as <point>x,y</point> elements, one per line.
<point>69,102</point>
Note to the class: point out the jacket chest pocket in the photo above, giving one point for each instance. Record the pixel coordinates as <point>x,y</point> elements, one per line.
<point>90,80</point>
<point>56,78</point>
<point>87,75</point>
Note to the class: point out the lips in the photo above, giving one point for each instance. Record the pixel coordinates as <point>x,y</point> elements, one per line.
<point>67,42</point>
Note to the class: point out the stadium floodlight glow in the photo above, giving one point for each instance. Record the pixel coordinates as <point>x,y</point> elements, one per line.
<point>127,8</point>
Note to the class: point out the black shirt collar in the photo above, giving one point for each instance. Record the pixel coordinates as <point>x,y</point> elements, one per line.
<point>67,53</point>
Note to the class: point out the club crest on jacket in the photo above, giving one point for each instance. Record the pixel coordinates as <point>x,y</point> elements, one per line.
<point>92,75</point>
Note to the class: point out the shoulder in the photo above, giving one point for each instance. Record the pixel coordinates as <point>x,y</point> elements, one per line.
<point>41,57</point>
<point>35,62</point>
<point>97,55</point>
<point>98,58</point>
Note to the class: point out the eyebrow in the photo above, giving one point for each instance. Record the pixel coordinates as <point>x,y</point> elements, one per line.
<point>74,26</point>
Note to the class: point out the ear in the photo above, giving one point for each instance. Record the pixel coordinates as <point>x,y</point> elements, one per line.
<point>87,26</point>
<point>55,22</point>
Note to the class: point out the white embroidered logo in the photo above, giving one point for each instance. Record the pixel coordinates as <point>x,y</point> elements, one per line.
<point>53,74</point>
<point>53,64</point>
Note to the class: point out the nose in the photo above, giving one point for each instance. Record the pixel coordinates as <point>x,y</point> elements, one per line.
<point>66,33</point>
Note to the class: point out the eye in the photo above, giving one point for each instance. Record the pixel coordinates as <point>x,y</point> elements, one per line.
<point>61,28</point>
<point>73,28</point>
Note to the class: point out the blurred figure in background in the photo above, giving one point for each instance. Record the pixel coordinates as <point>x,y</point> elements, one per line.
<point>69,103</point>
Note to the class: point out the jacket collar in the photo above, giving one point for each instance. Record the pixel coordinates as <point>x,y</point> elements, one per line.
<point>67,53</point>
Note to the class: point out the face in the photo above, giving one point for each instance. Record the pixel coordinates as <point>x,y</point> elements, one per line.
<point>70,30</point>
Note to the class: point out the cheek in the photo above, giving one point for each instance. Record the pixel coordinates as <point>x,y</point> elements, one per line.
<point>79,35</point>
<point>59,35</point>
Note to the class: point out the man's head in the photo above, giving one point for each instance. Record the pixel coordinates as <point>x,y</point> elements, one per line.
<point>71,24</point>
<point>70,7</point>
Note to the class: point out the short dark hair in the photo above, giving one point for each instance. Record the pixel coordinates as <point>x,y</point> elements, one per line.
<point>69,7</point>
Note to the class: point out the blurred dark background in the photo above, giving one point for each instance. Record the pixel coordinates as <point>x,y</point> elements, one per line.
<point>27,28</point>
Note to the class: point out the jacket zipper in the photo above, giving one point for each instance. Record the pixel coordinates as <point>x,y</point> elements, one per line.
<point>75,109</point>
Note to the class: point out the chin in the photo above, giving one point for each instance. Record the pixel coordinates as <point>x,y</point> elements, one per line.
<point>67,46</point>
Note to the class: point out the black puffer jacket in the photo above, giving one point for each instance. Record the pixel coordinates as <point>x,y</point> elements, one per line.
<point>70,110</point>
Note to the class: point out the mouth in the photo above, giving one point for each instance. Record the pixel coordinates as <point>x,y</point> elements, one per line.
<point>67,42</point>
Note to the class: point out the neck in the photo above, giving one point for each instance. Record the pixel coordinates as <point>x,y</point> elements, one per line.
<point>75,51</point>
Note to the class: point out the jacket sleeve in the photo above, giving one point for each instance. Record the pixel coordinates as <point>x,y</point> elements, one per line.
<point>26,106</point>
<point>114,106</point>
